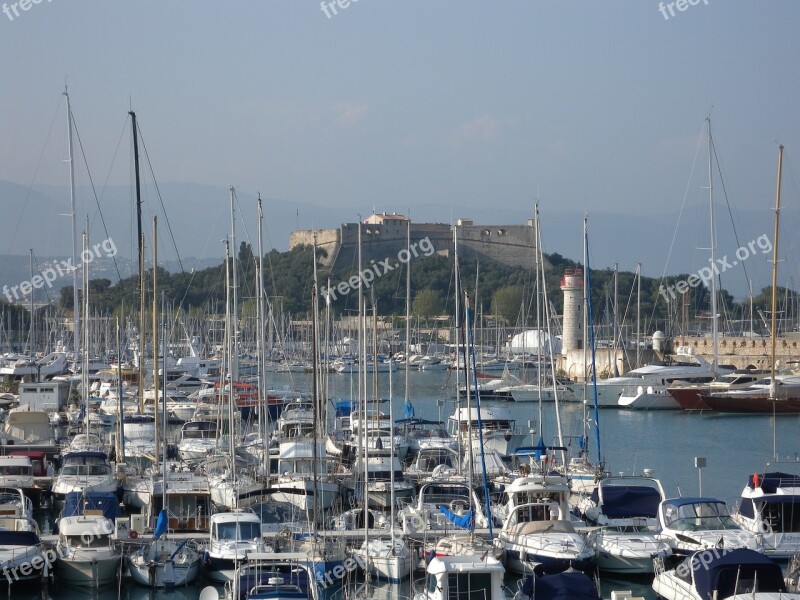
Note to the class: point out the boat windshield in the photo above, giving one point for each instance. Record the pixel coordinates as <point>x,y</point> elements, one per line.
<point>86,470</point>
<point>15,470</point>
<point>240,531</point>
<point>701,516</point>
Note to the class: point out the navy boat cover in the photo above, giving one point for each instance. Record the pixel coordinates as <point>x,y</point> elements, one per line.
<point>569,585</point>
<point>725,571</point>
<point>624,502</point>
<point>76,503</point>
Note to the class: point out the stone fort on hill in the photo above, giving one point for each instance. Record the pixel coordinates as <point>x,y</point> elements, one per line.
<point>383,236</point>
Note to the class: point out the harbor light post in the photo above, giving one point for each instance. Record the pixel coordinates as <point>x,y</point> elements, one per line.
<point>699,464</point>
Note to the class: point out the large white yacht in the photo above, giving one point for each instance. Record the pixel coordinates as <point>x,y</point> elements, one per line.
<point>684,366</point>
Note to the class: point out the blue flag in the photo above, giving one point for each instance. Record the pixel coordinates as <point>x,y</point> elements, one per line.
<point>162,524</point>
<point>408,409</point>
<point>540,449</point>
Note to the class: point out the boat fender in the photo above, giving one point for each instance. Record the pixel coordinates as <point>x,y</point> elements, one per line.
<point>133,534</point>
<point>766,528</point>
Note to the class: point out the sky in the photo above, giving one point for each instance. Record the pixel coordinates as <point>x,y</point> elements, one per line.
<point>594,107</point>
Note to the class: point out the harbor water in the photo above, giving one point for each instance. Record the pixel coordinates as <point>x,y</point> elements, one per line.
<point>664,442</point>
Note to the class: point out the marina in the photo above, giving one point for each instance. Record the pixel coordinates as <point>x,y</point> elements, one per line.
<point>671,463</point>
<point>399,300</point>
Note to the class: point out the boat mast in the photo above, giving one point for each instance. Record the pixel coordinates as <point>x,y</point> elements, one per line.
<point>76,313</point>
<point>408,321</point>
<point>234,358</point>
<point>31,323</point>
<point>586,316</point>
<point>537,259</point>
<point>638,314</point>
<point>263,412</point>
<point>140,239</point>
<point>155,334</point>
<point>714,323</point>
<point>85,356</point>
<point>773,387</point>
<point>613,371</point>
<point>315,387</point>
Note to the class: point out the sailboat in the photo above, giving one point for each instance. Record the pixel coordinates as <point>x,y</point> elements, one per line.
<point>388,556</point>
<point>769,398</point>
<point>164,562</point>
<point>465,544</point>
<point>231,483</point>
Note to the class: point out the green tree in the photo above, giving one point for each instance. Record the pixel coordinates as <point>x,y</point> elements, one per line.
<point>506,302</point>
<point>427,304</point>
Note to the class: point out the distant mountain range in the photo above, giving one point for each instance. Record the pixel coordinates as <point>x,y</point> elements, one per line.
<point>198,218</point>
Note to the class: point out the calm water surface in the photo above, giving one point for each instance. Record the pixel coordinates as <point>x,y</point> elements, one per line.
<point>666,442</point>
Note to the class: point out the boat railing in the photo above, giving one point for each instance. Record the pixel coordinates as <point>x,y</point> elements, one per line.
<point>658,566</point>
<point>188,520</point>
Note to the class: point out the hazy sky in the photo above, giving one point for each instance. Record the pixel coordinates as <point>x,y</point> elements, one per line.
<point>593,106</point>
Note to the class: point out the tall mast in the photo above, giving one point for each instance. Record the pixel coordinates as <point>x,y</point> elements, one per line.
<point>76,312</point>
<point>638,314</point>
<point>262,396</point>
<point>155,332</point>
<point>537,256</point>
<point>31,323</point>
<point>408,316</point>
<point>85,355</point>
<point>773,387</point>
<point>315,386</point>
<point>586,317</point>
<point>714,324</point>
<point>613,371</point>
<point>459,325</point>
<point>140,256</point>
<point>234,358</point>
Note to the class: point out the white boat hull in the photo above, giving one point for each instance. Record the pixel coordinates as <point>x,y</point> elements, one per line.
<point>88,569</point>
<point>648,400</point>
<point>300,493</point>
<point>158,568</point>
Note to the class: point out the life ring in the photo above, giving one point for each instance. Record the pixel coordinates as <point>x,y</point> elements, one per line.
<point>133,534</point>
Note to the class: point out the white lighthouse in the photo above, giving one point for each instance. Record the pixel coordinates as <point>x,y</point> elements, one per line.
<point>572,323</point>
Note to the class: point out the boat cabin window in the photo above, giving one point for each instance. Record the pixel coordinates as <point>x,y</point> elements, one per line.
<point>15,470</point>
<point>441,494</point>
<point>95,540</point>
<point>702,516</point>
<point>386,476</point>
<point>240,531</point>
<point>533,512</point>
<point>430,462</point>
<point>86,470</point>
<point>782,517</point>
<point>469,585</point>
